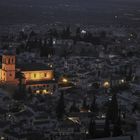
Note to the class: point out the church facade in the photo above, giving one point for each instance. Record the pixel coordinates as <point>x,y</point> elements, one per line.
<point>38,77</point>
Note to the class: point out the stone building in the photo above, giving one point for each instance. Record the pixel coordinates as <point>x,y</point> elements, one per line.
<point>38,77</point>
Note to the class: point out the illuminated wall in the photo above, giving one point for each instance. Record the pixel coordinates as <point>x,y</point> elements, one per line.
<point>38,75</point>
<point>0,73</point>
<point>7,73</point>
<point>42,88</point>
<point>8,68</point>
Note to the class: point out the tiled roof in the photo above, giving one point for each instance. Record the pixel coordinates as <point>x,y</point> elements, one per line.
<point>32,67</point>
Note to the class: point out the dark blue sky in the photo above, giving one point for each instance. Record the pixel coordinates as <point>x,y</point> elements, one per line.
<point>18,11</point>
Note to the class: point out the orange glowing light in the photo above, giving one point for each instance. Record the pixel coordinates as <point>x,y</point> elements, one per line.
<point>106,84</point>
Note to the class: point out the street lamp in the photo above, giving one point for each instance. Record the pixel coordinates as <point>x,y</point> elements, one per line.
<point>2,138</point>
<point>106,84</point>
<point>64,80</point>
<point>122,81</point>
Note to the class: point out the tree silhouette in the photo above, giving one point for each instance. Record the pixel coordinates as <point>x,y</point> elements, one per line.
<point>93,106</point>
<point>117,130</point>
<point>66,33</point>
<point>92,129</point>
<point>20,92</point>
<point>107,132</point>
<point>60,109</point>
<point>85,107</point>
<point>50,43</point>
<point>74,108</point>
<point>113,109</point>
<point>78,33</point>
<point>20,77</point>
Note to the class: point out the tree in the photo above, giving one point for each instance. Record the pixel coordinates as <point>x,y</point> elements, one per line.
<point>74,108</point>
<point>93,106</point>
<point>68,32</point>
<point>32,33</point>
<point>50,43</point>
<point>92,129</point>
<point>85,107</point>
<point>53,33</point>
<point>20,77</point>
<point>29,93</point>
<point>78,33</point>
<point>117,130</point>
<point>29,90</point>
<point>113,109</point>
<point>130,73</point>
<point>17,50</point>
<point>134,107</point>
<point>60,109</point>
<point>107,127</point>
<point>20,92</point>
<point>22,36</point>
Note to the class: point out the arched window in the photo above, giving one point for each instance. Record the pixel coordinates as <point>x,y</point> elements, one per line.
<point>9,61</point>
<point>45,74</point>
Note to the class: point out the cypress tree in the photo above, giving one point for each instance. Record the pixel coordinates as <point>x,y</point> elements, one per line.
<point>92,129</point>
<point>60,109</point>
<point>117,130</point>
<point>74,108</point>
<point>107,127</point>
<point>113,109</point>
<point>93,106</point>
<point>85,106</point>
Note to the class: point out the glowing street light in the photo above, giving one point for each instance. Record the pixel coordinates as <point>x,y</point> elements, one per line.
<point>64,80</point>
<point>106,84</point>
<point>122,81</point>
<point>2,138</point>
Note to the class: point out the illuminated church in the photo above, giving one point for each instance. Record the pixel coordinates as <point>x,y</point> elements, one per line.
<point>38,77</point>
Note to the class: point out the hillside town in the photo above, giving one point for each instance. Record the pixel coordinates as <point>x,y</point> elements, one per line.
<point>70,84</point>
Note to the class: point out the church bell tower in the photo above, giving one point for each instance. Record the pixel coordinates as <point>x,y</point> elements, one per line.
<point>8,68</point>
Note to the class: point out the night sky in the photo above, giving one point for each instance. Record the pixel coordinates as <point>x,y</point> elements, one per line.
<point>68,11</point>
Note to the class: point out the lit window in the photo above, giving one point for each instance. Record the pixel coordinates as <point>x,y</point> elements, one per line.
<point>37,91</point>
<point>45,74</point>
<point>45,91</point>
<point>34,75</point>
